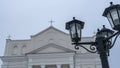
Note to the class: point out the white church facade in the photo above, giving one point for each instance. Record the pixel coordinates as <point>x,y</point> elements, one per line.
<point>50,48</point>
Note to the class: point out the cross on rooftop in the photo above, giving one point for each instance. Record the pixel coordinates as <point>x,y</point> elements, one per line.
<point>51,22</point>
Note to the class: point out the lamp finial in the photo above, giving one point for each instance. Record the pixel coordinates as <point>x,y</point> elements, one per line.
<point>111,3</point>
<point>73,18</point>
<point>98,29</point>
<point>103,26</point>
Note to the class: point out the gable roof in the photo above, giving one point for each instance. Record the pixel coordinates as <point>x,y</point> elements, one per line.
<point>51,27</point>
<point>46,47</point>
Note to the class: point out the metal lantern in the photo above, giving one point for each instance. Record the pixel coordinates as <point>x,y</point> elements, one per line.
<point>113,15</point>
<point>105,32</point>
<point>75,27</point>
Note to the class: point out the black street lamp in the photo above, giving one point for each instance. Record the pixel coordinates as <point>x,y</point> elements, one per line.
<point>75,26</point>
<point>113,15</point>
<point>105,32</point>
<point>103,42</point>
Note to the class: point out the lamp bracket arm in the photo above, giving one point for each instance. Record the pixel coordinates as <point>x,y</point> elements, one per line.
<point>114,41</point>
<point>106,39</point>
<point>91,48</point>
<point>86,43</point>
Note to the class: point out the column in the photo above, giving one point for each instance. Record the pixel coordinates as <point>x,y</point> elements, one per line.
<point>42,66</point>
<point>58,65</point>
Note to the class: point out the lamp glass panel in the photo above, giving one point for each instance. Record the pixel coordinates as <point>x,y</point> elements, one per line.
<point>78,26</point>
<point>73,31</point>
<point>115,16</point>
<point>105,34</point>
<point>110,20</point>
<point>110,34</point>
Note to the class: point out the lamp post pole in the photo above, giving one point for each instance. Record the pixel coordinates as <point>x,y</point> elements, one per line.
<point>102,52</point>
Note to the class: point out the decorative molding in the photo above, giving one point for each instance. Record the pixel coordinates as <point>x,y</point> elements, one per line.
<point>14,58</point>
<point>50,45</point>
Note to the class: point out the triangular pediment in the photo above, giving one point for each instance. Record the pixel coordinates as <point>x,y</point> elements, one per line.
<point>49,28</point>
<point>51,48</point>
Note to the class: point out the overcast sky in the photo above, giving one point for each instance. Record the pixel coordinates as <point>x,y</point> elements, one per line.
<point>22,18</point>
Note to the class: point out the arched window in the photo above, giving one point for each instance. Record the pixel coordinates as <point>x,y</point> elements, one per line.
<point>15,48</point>
<point>23,49</point>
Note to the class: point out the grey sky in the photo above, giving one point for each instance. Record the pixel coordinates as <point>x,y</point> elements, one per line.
<point>22,18</point>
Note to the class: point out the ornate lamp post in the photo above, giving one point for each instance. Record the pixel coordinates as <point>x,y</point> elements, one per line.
<point>103,42</point>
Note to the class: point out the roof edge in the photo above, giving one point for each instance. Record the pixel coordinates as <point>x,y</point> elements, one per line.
<point>51,27</point>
